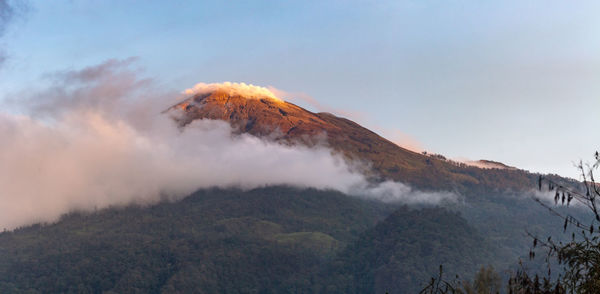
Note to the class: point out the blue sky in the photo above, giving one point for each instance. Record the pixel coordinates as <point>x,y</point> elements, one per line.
<point>513,81</point>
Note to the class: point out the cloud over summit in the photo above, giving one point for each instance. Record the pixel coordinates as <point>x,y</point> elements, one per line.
<point>233,89</point>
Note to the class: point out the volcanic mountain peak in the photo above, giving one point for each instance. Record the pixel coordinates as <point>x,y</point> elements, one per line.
<point>257,111</point>
<point>250,109</point>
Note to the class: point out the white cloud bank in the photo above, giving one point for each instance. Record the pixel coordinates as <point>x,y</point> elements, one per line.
<point>97,139</point>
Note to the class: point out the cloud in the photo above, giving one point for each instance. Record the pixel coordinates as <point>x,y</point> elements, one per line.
<point>484,164</point>
<point>241,89</point>
<point>96,138</point>
<point>547,197</point>
<point>390,191</point>
<point>6,14</point>
<point>8,11</point>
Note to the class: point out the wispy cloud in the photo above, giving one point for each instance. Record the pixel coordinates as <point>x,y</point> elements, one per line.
<point>6,14</point>
<point>8,11</point>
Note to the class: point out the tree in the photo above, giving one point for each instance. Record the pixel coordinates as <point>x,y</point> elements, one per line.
<point>438,285</point>
<point>487,281</point>
<point>580,257</point>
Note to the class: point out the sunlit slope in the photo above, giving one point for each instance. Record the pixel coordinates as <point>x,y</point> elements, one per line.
<point>279,120</point>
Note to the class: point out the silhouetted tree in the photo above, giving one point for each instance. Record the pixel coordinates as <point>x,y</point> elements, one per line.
<point>438,285</point>
<point>580,257</point>
<point>487,281</point>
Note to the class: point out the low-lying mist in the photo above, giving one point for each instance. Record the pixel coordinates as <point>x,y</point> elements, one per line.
<point>96,138</point>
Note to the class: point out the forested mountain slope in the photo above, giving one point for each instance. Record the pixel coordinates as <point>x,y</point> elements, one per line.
<point>269,240</point>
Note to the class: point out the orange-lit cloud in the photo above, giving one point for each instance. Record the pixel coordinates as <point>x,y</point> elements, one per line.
<point>241,89</point>
<point>485,164</point>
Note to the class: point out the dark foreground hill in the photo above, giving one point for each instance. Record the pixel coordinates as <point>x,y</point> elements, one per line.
<point>269,240</point>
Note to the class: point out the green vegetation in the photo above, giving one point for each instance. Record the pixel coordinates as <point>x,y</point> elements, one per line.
<point>216,241</point>
<point>405,249</point>
<point>269,240</point>
<point>486,281</point>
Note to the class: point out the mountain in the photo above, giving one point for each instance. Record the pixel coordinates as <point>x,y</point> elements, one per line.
<point>287,240</point>
<point>491,193</point>
<point>274,119</point>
